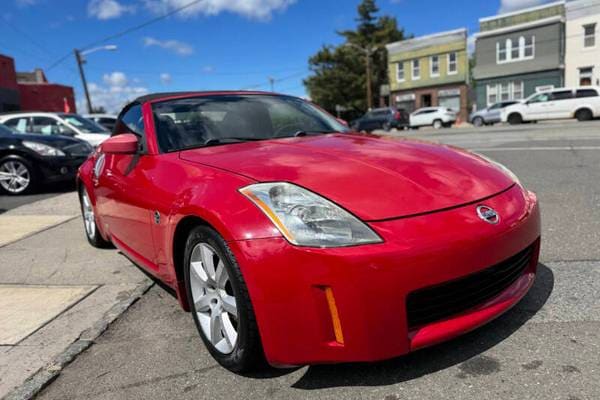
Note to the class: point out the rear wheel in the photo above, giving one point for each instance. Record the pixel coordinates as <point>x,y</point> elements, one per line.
<point>438,124</point>
<point>387,126</point>
<point>478,121</point>
<point>515,119</point>
<point>220,302</point>
<point>584,115</point>
<point>17,176</point>
<point>89,222</point>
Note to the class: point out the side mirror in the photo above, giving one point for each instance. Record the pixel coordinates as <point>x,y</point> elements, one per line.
<point>126,143</point>
<point>342,121</point>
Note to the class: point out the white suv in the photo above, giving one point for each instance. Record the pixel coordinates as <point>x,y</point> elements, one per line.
<point>46,123</point>
<point>582,103</point>
<point>437,117</point>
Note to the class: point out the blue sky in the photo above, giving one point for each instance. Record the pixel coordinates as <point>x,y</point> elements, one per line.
<point>216,44</point>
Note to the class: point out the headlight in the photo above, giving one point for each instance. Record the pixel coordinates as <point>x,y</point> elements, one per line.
<point>307,219</point>
<point>43,149</point>
<point>501,167</point>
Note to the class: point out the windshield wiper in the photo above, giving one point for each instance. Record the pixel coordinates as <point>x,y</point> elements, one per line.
<point>225,140</point>
<point>312,133</point>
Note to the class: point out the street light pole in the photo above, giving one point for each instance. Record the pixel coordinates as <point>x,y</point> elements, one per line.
<point>80,62</point>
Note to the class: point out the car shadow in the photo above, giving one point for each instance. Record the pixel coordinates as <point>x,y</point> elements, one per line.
<point>436,358</point>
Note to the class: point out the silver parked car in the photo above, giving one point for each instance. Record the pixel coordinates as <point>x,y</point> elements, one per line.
<point>491,114</point>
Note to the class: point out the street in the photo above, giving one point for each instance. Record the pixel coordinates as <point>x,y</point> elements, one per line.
<point>545,348</point>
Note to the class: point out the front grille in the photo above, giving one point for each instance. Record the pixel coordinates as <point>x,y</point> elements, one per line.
<point>441,301</point>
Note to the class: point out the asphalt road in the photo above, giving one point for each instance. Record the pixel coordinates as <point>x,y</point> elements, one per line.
<point>10,202</point>
<point>547,347</point>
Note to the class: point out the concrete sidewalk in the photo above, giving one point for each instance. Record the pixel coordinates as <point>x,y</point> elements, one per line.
<point>57,293</point>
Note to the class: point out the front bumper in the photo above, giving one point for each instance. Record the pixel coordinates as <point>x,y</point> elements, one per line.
<point>57,169</point>
<point>370,284</point>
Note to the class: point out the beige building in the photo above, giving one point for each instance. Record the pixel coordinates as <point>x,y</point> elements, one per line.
<point>582,61</point>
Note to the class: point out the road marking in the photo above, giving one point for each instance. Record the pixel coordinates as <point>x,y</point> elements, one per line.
<point>546,148</point>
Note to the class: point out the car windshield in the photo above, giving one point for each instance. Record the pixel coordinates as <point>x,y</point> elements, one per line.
<point>4,130</point>
<point>214,120</point>
<point>83,124</point>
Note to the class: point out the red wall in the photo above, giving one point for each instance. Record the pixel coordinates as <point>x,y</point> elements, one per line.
<point>8,76</point>
<point>46,97</point>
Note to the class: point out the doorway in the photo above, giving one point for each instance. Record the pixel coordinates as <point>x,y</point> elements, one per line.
<point>426,100</point>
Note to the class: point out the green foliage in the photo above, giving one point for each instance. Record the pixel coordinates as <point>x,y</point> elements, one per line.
<point>338,72</point>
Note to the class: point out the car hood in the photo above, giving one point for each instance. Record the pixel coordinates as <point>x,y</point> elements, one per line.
<point>373,177</point>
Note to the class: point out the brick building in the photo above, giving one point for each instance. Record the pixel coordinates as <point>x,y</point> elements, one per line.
<point>31,91</point>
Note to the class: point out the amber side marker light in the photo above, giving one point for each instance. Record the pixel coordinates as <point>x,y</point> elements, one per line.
<point>335,318</point>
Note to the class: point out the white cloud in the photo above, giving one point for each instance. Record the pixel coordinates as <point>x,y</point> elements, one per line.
<point>471,44</point>
<point>514,5</point>
<point>116,78</point>
<point>254,9</point>
<point>175,46</point>
<point>113,94</point>
<point>208,69</point>
<point>165,78</point>
<point>107,9</point>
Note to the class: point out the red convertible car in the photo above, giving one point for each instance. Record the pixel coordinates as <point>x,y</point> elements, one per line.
<point>293,240</point>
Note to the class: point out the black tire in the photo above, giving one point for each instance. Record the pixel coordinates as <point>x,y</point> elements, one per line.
<point>515,119</point>
<point>478,122</point>
<point>387,126</point>
<point>437,124</point>
<point>32,173</point>
<point>584,115</point>
<point>95,238</point>
<point>247,355</point>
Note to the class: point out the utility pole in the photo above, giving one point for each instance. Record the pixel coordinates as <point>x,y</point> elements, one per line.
<point>272,83</point>
<point>79,57</point>
<point>368,52</point>
<point>80,62</point>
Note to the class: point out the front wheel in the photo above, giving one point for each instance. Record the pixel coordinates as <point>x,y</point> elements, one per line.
<point>17,176</point>
<point>515,119</point>
<point>438,124</point>
<point>220,302</point>
<point>89,222</point>
<point>478,122</point>
<point>387,127</point>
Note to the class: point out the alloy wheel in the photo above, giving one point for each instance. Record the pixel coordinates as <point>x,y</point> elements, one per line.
<point>89,220</point>
<point>14,176</point>
<point>212,294</point>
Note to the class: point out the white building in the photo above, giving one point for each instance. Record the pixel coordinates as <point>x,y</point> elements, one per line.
<point>582,61</point>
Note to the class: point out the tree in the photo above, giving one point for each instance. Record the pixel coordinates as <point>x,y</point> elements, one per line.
<point>339,72</point>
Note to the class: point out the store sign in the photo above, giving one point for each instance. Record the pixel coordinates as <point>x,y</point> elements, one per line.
<point>405,97</point>
<point>449,93</point>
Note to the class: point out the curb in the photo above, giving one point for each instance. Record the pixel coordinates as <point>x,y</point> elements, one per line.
<point>45,375</point>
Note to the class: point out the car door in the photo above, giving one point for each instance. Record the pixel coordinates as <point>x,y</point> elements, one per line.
<point>124,193</point>
<point>560,105</point>
<point>418,118</point>
<point>493,113</point>
<point>536,108</point>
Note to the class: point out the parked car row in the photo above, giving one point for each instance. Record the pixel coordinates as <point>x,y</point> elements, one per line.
<point>389,118</point>
<point>46,147</point>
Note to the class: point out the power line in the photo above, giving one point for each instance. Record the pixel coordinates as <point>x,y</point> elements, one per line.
<point>128,31</point>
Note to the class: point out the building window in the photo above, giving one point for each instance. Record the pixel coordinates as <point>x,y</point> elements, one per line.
<point>586,76</point>
<point>501,52</point>
<point>435,66</point>
<point>589,35</point>
<point>505,91</point>
<point>518,50</point>
<point>492,94</point>
<point>517,90</point>
<point>452,64</point>
<point>400,72</point>
<point>416,69</point>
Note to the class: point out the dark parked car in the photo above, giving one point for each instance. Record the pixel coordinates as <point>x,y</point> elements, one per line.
<point>382,118</point>
<point>27,161</point>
